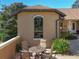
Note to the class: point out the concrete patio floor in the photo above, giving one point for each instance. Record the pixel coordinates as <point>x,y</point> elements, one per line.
<point>66,57</point>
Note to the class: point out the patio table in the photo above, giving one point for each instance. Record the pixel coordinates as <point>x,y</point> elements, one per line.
<point>36,50</point>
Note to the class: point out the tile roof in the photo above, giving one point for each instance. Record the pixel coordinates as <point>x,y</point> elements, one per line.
<point>70,13</point>
<point>37,7</point>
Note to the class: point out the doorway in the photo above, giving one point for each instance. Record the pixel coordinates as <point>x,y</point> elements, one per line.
<point>73,27</point>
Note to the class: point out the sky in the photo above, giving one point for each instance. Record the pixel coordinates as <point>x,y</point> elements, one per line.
<point>49,3</point>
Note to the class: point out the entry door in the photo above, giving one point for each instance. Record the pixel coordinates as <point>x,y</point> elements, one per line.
<point>73,28</point>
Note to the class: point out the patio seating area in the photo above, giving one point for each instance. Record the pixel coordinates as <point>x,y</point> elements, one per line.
<point>35,52</point>
<point>32,55</point>
<point>41,52</point>
<point>44,53</point>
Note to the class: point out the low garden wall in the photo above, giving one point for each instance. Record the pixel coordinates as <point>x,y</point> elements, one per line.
<point>8,48</point>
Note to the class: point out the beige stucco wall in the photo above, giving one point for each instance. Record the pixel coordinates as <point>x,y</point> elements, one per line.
<point>65,25</point>
<point>26,26</point>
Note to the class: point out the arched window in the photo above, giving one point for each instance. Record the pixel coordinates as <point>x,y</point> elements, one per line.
<point>38,27</point>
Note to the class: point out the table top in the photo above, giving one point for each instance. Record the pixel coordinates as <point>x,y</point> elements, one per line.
<point>36,49</point>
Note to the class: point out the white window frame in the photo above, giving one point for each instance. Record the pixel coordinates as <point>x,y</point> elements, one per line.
<point>43,23</point>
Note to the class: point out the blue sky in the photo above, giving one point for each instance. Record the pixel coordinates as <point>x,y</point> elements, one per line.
<point>49,3</point>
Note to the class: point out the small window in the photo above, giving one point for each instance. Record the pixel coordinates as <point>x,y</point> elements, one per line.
<point>38,27</point>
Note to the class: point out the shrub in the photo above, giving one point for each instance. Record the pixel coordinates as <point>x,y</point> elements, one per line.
<point>67,35</point>
<point>18,47</point>
<point>71,37</point>
<point>60,46</point>
<point>64,34</point>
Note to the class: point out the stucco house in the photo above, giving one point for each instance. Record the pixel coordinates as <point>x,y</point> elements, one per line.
<point>40,22</point>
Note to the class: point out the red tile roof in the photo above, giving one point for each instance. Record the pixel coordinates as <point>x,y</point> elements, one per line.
<point>70,13</point>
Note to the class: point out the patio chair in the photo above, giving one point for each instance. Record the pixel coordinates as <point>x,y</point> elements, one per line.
<point>46,54</point>
<point>43,43</point>
<point>49,54</point>
<point>24,52</point>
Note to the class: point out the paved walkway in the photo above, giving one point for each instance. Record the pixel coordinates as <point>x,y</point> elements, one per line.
<point>74,46</point>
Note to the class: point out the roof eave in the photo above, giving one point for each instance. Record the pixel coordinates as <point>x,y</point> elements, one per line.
<point>38,10</point>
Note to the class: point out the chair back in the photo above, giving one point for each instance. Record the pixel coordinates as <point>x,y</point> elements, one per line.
<point>25,45</point>
<point>43,43</point>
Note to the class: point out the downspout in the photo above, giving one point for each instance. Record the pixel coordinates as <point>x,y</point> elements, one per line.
<point>56,27</point>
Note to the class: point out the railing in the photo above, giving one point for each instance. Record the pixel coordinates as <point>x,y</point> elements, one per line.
<point>7,49</point>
